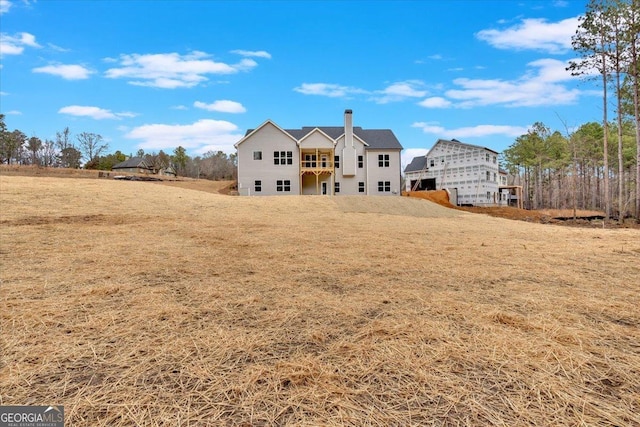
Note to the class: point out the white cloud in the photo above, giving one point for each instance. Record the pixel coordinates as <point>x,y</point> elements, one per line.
<point>93,112</point>
<point>471,131</point>
<point>14,45</point>
<point>327,89</point>
<point>201,136</point>
<point>57,48</point>
<point>172,70</point>
<point>435,102</point>
<point>4,93</point>
<point>533,34</point>
<point>5,5</point>
<point>14,113</point>
<point>68,72</point>
<point>400,91</point>
<point>223,106</point>
<point>253,53</point>
<point>538,87</point>
<point>179,107</point>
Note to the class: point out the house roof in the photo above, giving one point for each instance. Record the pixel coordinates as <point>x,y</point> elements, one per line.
<point>417,164</point>
<point>132,162</point>
<point>374,138</point>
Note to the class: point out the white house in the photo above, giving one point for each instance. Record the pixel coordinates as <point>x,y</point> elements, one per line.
<point>323,160</point>
<point>469,172</point>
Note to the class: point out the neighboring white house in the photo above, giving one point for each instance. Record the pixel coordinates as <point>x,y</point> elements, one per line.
<point>332,160</point>
<point>469,172</point>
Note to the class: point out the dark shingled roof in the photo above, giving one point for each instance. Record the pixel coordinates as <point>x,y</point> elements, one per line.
<point>376,138</point>
<point>132,162</point>
<point>417,164</point>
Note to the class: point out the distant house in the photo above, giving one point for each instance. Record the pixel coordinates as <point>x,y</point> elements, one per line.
<point>469,172</point>
<point>168,171</point>
<point>133,165</point>
<point>323,160</point>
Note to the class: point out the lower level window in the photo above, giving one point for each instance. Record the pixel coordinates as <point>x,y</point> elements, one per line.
<point>361,187</point>
<point>336,187</point>
<point>257,185</point>
<point>384,186</point>
<point>283,185</point>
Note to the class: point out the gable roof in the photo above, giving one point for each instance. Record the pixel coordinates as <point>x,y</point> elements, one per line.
<point>252,131</point>
<point>132,162</point>
<point>417,164</point>
<point>455,141</point>
<point>373,138</point>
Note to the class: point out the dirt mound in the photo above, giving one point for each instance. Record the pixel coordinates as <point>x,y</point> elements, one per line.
<point>440,197</point>
<point>393,206</point>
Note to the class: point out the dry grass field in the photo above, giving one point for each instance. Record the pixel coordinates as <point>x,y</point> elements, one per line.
<point>133,303</point>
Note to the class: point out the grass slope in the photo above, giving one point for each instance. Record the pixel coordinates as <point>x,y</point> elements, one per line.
<point>132,303</point>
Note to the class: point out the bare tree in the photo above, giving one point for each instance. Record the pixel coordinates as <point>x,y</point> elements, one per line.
<point>91,145</point>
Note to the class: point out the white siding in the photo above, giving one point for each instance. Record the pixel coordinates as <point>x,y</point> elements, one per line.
<point>384,174</point>
<point>266,140</point>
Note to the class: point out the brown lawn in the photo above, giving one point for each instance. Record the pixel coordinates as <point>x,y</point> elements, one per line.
<point>132,303</point>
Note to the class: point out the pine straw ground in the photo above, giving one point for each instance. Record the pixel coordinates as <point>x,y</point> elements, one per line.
<point>133,303</point>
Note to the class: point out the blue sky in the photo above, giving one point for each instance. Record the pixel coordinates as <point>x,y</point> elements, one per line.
<point>158,74</point>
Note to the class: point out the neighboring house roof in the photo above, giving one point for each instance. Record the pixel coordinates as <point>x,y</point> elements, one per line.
<point>132,162</point>
<point>373,138</point>
<point>419,163</point>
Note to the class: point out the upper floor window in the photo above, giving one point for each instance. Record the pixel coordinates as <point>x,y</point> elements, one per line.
<point>383,160</point>
<point>432,163</point>
<point>283,157</point>
<point>488,176</point>
<point>257,155</point>
<point>309,160</point>
<point>494,159</point>
<point>360,162</point>
<point>487,156</point>
<point>336,159</point>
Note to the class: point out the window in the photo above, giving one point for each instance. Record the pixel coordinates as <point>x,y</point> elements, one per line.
<point>494,177</point>
<point>494,159</point>
<point>309,160</point>
<point>283,185</point>
<point>283,157</point>
<point>488,195</point>
<point>336,187</point>
<point>257,155</point>
<point>360,162</point>
<point>336,160</point>
<point>432,163</point>
<point>257,186</point>
<point>383,160</point>
<point>487,157</point>
<point>488,176</point>
<point>361,186</point>
<point>384,186</point>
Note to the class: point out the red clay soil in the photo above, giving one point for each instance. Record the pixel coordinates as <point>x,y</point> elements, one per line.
<point>440,197</point>
<point>546,216</point>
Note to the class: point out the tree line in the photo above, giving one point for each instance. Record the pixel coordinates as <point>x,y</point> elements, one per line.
<point>596,166</point>
<point>88,150</point>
